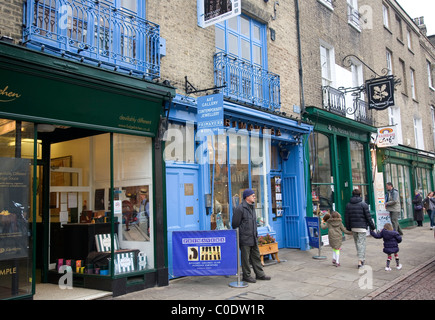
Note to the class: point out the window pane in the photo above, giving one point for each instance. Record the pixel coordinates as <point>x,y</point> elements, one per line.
<point>257,33</point>
<point>233,45</point>
<point>246,50</point>
<point>232,23</point>
<point>239,163</point>
<point>220,38</point>
<point>259,179</point>
<point>244,26</point>
<point>359,175</point>
<point>323,199</point>
<point>320,163</point>
<point>256,55</point>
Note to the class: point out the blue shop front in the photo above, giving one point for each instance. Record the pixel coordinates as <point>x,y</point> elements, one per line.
<point>208,169</point>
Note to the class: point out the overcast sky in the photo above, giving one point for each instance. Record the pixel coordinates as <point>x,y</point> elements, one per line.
<point>421,8</point>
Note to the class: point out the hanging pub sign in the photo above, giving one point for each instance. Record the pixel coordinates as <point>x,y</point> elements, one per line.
<point>211,12</point>
<point>380,92</point>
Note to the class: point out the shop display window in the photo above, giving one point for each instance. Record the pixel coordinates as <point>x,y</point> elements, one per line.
<point>16,207</point>
<point>359,172</point>
<point>322,185</point>
<point>82,200</point>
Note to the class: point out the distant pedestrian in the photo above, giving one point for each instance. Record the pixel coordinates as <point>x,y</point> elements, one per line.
<point>335,234</point>
<point>357,217</point>
<point>245,219</point>
<point>391,244</point>
<point>418,208</point>
<point>392,204</point>
<point>429,204</point>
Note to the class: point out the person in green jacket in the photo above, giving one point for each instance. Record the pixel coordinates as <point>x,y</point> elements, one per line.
<point>335,234</point>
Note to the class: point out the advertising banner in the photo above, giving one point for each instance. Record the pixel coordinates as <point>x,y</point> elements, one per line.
<point>14,207</point>
<point>211,12</point>
<point>211,112</point>
<point>313,225</point>
<point>204,253</point>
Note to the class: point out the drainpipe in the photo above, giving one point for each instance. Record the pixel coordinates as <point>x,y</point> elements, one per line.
<point>301,77</point>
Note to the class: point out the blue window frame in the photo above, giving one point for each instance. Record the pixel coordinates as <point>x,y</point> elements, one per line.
<point>111,33</point>
<point>244,38</point>
<point>240,63</point>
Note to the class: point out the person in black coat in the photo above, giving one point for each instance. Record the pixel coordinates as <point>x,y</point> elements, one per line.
<point>245,219</point>
<point>418,208</point>
<point>357,218</point>
<point>391,243</point>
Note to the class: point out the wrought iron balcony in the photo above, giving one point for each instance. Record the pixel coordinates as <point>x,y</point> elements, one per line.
<point>95,32</point>
<point>334,101</point>
<point>247,83</point>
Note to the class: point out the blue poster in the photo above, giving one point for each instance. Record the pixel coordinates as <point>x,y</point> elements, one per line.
<point>313,225</point>
<point>211,112</point>
<point>204,253</point>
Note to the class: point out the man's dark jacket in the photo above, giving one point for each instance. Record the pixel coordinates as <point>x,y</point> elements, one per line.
<point>245,219</point>
<point>357,214</point>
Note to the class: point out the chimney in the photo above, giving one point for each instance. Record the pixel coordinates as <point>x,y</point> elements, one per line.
<point>420,23</point>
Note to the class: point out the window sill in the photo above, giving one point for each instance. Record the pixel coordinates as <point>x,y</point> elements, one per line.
<point>327,4</point>
<point>355,26</point>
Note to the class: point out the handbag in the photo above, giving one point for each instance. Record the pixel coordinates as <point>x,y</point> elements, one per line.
<point>418,207</point>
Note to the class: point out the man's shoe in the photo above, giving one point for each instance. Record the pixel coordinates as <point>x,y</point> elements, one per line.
<point>249,279</point>
<point>263,278</point>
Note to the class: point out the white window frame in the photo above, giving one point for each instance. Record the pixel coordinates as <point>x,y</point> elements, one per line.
<point>327,62</point>
<point>386,16</point>
<point>389,57</point>
<point>409,38</point>
<point>432,113</point>
<point>418,133</point>
<point>429,75</point>
<point>353,14</point>
<point>413,89</point>
<point>394,119</point>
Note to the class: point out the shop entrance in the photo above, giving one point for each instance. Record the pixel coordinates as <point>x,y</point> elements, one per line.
<point>182,203</point>
<point>344,178</point>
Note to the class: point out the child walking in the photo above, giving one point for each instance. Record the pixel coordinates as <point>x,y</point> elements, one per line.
<point>335,228</point>
<point>391,244</point>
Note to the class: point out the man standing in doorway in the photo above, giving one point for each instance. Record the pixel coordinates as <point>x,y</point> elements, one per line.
<point>392,204</point>
<point>245,219</point>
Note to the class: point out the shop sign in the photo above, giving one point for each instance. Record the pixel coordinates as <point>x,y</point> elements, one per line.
<point>39,98</point>
<point>313,225</point>
<point>211,12</point>
<point>210,115</point>
<point>204,253</point>
<point>387,137</point>
<point>380,92</point>
<point>252,127</point>
<point>14,207</point>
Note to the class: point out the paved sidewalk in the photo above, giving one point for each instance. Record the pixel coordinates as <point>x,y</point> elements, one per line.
<point>300,277</point>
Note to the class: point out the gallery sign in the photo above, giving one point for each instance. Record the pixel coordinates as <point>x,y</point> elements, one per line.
<point>211,12</point>
<point>210,115</point>
<point>203,253</point>
<point>380,92</point>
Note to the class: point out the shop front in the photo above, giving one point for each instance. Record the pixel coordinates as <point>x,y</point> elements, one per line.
<point>408,169</point>
<point>81,190</point>
<point>208,172</point>
<point>339,162</point>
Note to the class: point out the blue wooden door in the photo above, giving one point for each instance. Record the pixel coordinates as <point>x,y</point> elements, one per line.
<point>291,215</point>
<point>181,202</point>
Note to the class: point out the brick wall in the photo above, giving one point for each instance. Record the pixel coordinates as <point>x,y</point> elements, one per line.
<point>11,19</point>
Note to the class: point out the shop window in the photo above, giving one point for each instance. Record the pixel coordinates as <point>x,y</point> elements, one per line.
<point>359,172</point>
<point>322,182</point>
<point>180,143</point>
<point>245,168</point>
<point>400,177</point>
<point>16,207</point>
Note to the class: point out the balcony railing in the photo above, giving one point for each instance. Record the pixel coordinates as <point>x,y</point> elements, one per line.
<point>334,101</point>
<point>247,83</point>
<point>94,31</point>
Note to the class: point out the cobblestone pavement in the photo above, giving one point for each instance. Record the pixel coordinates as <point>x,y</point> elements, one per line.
<point>419,284</point>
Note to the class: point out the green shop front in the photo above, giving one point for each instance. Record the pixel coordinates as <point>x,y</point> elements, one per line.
<point>339,161</point>
<point>81,188</point>
<point>408,169</point>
